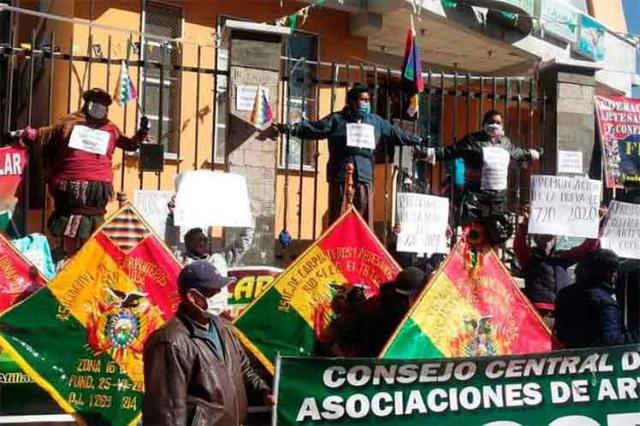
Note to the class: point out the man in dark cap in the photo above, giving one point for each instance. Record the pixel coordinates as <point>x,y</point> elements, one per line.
<point>353,133</point>
<point>77,153</point>
<point>389,308</point>
<point>587,312</point>
<point>195,370</point>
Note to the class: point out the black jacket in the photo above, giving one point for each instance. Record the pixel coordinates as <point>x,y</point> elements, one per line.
<point>334,127</point>
<point>588,315</point>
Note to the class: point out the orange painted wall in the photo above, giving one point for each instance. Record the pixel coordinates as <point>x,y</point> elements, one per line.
<point>610,12</point>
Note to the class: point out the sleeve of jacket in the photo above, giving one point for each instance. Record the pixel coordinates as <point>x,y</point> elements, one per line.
<point>253,382</point>
<point>397,136</point>
<point>611,330</point>
<point>523,255</point>
<point>457,150</point>
<point>130,144</point>
<point>166,382</point>
<point>517,153</point>
<point>307,129</point>
<point>576,254</point>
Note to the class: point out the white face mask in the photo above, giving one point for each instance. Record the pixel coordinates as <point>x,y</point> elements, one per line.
<point>218,303</point>
<point>493,130</point>
<point>96,110</point>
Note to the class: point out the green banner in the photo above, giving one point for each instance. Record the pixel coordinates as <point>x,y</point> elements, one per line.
<point>579,387</point>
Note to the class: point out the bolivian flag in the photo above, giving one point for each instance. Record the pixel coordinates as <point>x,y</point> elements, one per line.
<point>81,337</point>
<point>294,312</point>
<point>464,313</point>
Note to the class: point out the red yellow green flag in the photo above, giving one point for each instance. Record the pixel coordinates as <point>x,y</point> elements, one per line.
<point>467,312</point>
<point>295,310</point>
<point>18,277</point>
<point>81,337</point>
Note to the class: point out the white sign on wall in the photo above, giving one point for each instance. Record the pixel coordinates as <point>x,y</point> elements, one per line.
<point>570,162</point>
<point>245,95</point>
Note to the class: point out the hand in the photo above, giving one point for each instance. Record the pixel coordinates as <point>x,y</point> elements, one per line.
<point>525,212</point>
<point>535,155</point>
<point>431,155</point>
<point>397,229</point>
<point>603,211</point>
<point>28,133</point>
<point>269,399</point>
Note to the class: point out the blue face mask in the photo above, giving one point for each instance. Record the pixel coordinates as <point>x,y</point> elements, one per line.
<point>364,108</point>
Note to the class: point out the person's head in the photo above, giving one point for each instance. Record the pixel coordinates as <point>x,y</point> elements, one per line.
<point>599,266</point>
<point>198,284</point>
<point>492,124</point>
<point>545,242</point>
<point>196,243</point>
<point>358,100</point>
<point>409,283</point>
<point>96,104</point>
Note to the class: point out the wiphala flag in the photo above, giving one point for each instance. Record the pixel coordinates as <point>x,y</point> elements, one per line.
<point>81,337</point>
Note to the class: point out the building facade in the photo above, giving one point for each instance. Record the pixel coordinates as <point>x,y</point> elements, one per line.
<point>539,61</point>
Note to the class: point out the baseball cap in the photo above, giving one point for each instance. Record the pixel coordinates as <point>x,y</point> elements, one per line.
<point>202,274</point>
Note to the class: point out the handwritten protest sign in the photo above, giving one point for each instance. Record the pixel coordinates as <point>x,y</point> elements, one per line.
<point>622,230</point>
<point>570,162</point>
<point>564,206</point>
<point>206,198</point>
<point>154,207</point>
<point>423,223</point>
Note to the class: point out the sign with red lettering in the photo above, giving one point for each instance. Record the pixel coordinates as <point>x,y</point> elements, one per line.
<point>619,124</point>
<point>13,162</point>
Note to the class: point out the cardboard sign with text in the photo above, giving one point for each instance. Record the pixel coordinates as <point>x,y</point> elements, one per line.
<point>564,206</point>
<point>622,231</point>
<point>423,223</point>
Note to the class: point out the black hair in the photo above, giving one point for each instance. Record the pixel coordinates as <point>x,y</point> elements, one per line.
<point>598,264</point>
<point>192,232</point>
<point>489,114</point>
<point>355,91</point>
<point>632,196</point>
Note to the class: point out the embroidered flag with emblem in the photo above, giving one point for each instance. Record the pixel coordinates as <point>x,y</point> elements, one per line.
<point>470,311</point>
<point>81,337</point>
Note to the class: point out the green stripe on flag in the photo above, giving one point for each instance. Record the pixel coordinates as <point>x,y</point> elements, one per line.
<point>57,356</point>
<point>411,342</point>
<point>269,331</point>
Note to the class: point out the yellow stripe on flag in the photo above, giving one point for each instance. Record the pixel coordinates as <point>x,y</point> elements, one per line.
<point>444,315</point>
<point>306,283</point>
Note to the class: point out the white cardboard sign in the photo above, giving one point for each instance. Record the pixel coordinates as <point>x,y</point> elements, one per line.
<point>423,223</point>
<point>564,206</point>
<point>90,140</point>
<point>361,135</point>
<point>205,198</point>
<point>154,207</point>
<point>622,230</point>
<point>570,162</point>
<point>246,95</point>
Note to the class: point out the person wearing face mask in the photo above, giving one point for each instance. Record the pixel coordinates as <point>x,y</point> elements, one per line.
<point>587,312</point>
<point>545,268</point>
<point>197,248</point>
<point>195,369</point>
<point>77,153</point>
<point>353,135</point>
<point>486,156</point>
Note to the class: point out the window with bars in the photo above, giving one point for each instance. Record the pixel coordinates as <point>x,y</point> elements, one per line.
<point>161,82</point>
<point>300,97</point>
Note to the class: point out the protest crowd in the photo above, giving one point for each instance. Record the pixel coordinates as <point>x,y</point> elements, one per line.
<point>438,288</point>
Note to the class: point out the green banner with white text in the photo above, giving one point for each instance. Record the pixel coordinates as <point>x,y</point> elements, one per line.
<point>586,387</point>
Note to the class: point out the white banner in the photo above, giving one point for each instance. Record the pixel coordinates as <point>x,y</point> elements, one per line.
<point>154,207</point>
<point>423,221</point>
<point>206,198</point>
<point>565,206</point>
<point>622,230</point>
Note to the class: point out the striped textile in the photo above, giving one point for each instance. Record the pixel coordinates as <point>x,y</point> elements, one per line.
<point>126,230</point>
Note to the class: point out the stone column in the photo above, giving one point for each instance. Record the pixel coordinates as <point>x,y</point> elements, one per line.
<point>254,59</point>
<point>570,116</point>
